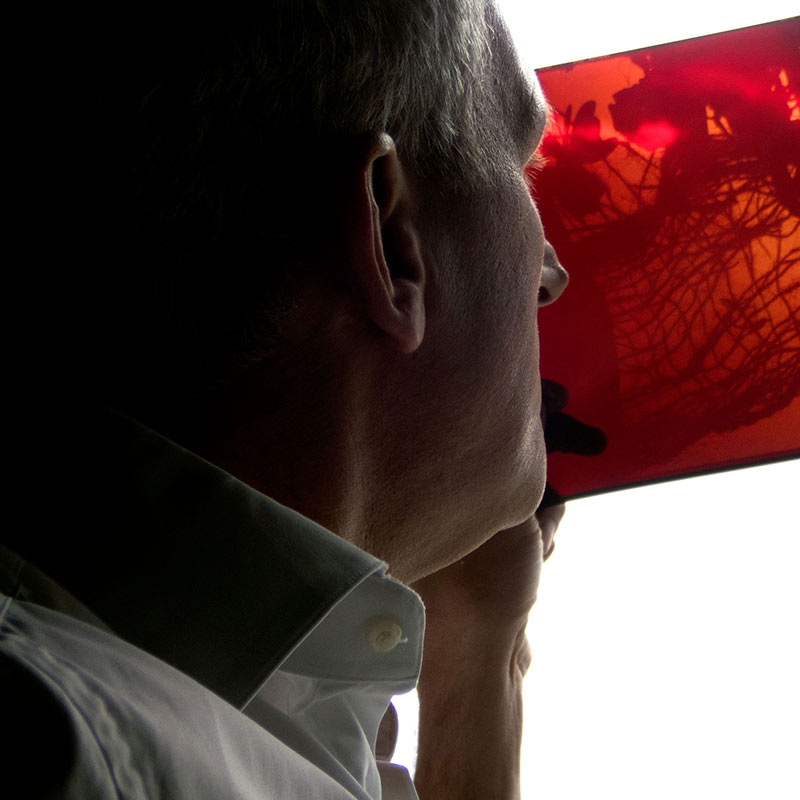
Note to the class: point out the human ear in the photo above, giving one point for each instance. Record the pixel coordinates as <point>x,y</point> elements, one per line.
<point>386,261</point>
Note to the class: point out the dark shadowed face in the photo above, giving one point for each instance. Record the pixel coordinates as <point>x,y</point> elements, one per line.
<point>491,270</point>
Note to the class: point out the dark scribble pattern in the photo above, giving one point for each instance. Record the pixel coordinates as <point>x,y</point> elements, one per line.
<point>678,201</point>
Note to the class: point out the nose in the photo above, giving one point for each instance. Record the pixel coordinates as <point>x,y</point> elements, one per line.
<point>554,277</point>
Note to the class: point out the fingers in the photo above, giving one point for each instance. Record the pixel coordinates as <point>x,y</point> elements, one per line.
<point>387,735</point>
<point>550,497</point>
<point>549,518</point>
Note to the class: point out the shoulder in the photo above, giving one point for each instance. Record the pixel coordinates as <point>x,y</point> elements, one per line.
<point>104,719</point>
<point>50,748</point>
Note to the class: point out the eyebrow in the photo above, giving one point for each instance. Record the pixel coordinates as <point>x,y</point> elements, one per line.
<point>533,111</point>
<point>542,117</point>
<point>536,116</point>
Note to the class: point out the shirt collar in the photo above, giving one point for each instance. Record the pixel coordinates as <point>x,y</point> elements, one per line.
<point>194,566</point>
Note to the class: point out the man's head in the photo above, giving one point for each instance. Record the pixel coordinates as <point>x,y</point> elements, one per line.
<point>196,154</point>
<point>317,221</point>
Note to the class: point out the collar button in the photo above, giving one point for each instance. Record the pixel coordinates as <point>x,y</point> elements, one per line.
<point>384,634</point>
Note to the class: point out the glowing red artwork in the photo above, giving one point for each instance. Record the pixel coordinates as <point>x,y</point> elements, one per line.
<point>670,190</point>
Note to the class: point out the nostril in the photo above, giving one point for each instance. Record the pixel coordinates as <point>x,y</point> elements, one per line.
<point>544,296</point>
<point>554,277</point>
<point>554,281</point>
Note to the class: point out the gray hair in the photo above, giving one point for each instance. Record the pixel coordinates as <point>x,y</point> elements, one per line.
<point>188,150</point>
<point>414,68</point>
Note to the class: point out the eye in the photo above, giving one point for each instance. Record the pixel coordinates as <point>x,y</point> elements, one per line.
<point>532,169</point>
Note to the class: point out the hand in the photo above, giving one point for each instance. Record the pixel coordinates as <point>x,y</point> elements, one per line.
<point>476,655</point>
<point>495,585</point>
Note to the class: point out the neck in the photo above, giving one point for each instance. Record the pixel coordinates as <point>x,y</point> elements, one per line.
<point>307,455</point>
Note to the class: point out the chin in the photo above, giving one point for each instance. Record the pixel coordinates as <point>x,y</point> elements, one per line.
<point>530,479</point>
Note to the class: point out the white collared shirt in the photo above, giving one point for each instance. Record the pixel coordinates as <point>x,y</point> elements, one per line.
<point>255,658</point>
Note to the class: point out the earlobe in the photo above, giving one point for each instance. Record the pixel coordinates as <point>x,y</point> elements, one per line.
<point>391,273</point>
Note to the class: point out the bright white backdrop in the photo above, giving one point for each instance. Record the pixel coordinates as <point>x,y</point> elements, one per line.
<point>667,644</point>
<point>666,636</point>
<point>557,32</point>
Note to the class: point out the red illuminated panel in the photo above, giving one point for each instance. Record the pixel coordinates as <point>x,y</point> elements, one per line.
<point>671,192</point>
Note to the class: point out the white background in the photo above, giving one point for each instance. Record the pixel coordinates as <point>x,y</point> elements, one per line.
<point>667,644</point>
<point>666,636</point>
<point>559,31</point>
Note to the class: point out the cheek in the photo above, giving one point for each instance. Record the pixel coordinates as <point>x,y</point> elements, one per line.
<point>532,250</point>
<point>526,248</point>
<point>536,249</point>
<point>529,257</point>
